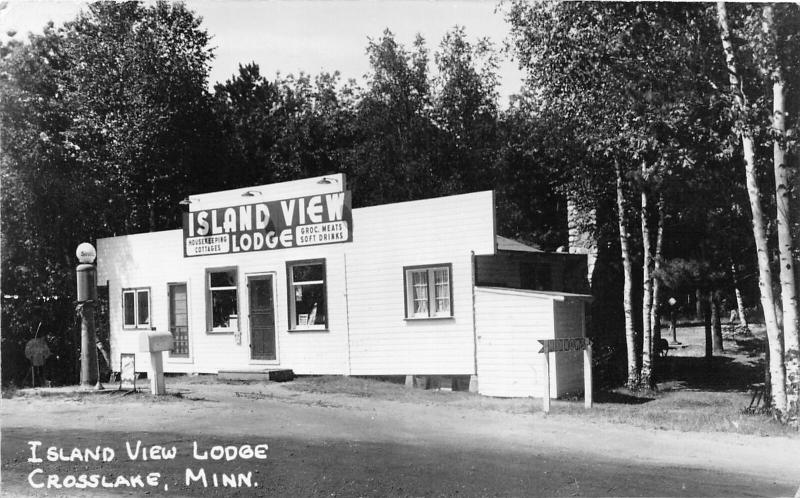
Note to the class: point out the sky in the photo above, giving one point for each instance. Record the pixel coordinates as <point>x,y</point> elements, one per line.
<point>310,36</point>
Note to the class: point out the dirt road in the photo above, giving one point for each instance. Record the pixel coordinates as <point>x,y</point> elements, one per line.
<point>338,445</point>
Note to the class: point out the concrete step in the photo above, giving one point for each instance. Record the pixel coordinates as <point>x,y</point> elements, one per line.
<point>276,374</point>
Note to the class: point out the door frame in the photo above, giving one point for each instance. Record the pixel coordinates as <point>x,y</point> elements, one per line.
<point>274,276</point>
<point>182,359</point>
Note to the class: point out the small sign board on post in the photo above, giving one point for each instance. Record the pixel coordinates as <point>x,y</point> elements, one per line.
<point>567,344</point>
<point>127,371</point>
<point>563,345</point>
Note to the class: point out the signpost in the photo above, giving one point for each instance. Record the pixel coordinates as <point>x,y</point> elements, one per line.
<point>564,345</point>
<point>37,352</point>
<point>127,371</point>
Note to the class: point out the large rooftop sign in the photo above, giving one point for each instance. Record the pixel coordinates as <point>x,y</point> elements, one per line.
<point>300,221</point>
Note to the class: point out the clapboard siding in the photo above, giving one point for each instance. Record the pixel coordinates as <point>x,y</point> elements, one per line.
<point>364,288</point>
<point>510,323</point>
<point>155,259</point>
<point>509,327</point>
<point>389,238</point>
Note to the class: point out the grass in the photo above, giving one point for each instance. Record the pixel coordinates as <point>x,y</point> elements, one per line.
<point>693,394</point>
<point>702,411</point>
<point>377,389</point>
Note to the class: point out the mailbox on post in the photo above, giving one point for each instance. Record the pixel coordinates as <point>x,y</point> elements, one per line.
<point>154,342</point>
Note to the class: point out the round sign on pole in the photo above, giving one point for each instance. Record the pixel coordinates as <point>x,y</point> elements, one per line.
<point>86,253</point>
<point>37,352</point>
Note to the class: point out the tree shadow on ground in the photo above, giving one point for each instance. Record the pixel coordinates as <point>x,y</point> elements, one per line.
<point>686,369</point>
<point>722,373</point>
<point>620,398</point>
<point>753,347</point>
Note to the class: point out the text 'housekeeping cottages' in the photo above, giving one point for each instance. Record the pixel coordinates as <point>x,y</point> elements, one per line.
<point>289,277</point>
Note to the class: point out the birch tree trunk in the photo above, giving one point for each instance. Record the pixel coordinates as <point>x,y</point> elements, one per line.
<point>767,376</point>
<point>655,315</point>
<point>646,376</point>
<point>738,291</point>
<point>783,200</point>
<point>777,368</point>
<point>740,306</point>
<point>627,291</point>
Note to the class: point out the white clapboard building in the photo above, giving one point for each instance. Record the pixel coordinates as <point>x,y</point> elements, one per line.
<point>288,277</point>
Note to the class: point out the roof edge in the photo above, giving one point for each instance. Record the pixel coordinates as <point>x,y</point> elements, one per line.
<point>552,295</point>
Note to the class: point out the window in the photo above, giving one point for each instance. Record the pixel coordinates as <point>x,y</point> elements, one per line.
<point>307,304</point>
<point>428,291</point>
<point>136,308</point>
<point>222,300</point>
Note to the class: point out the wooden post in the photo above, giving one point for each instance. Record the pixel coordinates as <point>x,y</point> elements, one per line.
<point>546,398</point>
<point>587,375</point>
<point>157,386</point>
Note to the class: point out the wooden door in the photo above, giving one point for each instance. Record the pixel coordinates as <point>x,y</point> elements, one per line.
<point>262,318</point>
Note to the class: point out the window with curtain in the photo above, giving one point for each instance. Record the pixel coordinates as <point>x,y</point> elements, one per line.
<point>428,291</point>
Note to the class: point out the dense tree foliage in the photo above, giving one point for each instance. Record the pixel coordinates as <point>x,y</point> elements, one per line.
<point>288,128</point>
<point>105,128</point>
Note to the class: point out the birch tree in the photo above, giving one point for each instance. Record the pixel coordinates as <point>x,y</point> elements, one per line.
<point>655,314</point>
<point>626,75</point>
<point>745,132</point>
<point>627,271</point>
<point>783,200</point>
<point>647,291</point>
